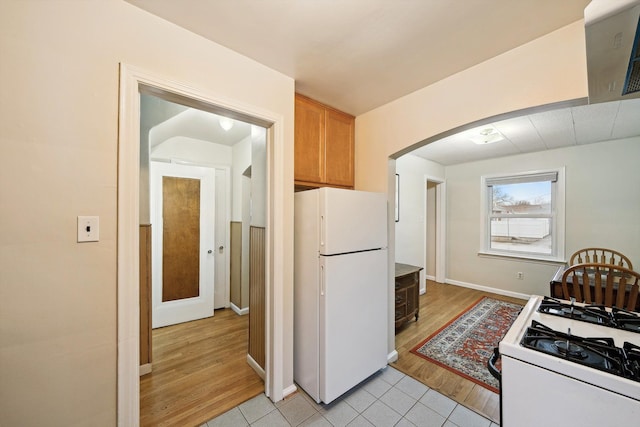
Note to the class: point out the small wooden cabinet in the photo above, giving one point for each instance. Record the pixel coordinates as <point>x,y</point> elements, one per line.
<point>407,298</point>
<point>324,145</point>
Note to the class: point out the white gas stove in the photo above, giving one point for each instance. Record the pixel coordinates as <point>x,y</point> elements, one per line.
<point>561,364</point>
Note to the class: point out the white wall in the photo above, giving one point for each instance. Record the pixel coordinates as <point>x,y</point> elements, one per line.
<point>241,161</point>
<point>602,209</point>
<point>547,70</point>
<point>151,110</point>
<point>410,231</point>
<point>544,71</point>
<point>258,174</point>
<point>59,82</point>
<point>183,148</point>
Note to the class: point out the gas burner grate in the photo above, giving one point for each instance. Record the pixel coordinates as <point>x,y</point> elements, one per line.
<point>596,314</point>
<point>597,353</point>
<point>632,353</point>
<point>626,320</point>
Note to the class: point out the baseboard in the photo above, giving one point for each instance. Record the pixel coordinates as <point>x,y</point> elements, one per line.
<point>145,369</point>
<point>289,391</point>
<point>239,311</point>
<point>429,277</point>
<point>487,289</point>
<point>392,357</point>
<point>254,365</point>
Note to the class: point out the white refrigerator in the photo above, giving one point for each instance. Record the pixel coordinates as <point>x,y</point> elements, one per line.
<point>340,289</point>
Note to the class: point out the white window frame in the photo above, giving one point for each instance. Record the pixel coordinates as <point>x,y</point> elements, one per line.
<point>557,214</point>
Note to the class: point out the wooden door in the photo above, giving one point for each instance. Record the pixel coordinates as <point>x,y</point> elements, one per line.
<point>181,238</point>
<point>182,199</point>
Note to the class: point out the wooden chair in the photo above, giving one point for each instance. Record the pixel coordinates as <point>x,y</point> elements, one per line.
<point>601,256</point>
<point>599,283</point>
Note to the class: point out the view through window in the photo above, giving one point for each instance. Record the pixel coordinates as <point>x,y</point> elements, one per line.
<point>521,214</point>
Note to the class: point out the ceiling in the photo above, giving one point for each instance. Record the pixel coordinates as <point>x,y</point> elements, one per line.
<point>357,55</point>
<point>166,120</point>
<point>547,130</point>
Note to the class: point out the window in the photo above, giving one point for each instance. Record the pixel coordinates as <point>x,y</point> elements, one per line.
<point>523,215</point>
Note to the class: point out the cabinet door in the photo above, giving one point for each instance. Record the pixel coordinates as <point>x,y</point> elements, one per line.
<point>309,141</point>
<point>339,150</point>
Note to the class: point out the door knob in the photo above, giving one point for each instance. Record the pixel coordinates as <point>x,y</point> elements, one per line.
<point>221,248</point>
<point>209,251</point>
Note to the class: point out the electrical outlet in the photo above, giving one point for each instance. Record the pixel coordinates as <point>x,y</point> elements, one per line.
<point>520,275</point>
<point>88,229</point>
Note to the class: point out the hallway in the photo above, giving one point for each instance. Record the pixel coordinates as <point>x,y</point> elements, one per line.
<point>200,370</point>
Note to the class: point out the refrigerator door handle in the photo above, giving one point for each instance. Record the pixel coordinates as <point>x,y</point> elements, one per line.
<point>321,230</point>
<point>322,280</point>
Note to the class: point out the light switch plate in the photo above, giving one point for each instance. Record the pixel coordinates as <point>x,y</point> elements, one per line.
<point>88,229</point>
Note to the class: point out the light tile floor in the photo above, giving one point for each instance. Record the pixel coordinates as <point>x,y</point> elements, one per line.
<point>388,398</point>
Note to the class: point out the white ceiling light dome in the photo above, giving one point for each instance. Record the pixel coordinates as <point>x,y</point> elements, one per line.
<point>225,123</point>
<point>487,135</point>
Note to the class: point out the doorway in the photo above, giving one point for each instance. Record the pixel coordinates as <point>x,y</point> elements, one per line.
<point>186,147</point>
<point>434,239</point>
<point>133,81</point>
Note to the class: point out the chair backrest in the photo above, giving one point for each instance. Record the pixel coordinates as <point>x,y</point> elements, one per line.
<point>601,256</point>
<point>599,283</point>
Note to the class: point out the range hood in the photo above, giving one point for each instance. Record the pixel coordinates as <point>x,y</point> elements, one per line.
<point>613,49</point>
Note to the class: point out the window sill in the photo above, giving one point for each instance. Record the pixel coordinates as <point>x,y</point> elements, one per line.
<point>523,257</point>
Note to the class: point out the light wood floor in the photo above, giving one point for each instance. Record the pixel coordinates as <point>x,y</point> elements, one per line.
<point>200,371</point>
<point>439,305</point>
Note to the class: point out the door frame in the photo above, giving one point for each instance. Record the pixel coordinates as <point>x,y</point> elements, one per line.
<point>132,79</point>
<point>441,227</point>
<point>226,171</point>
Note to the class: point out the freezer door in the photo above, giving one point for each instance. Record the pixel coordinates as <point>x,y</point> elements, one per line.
<point>353,320</point>
<point>352,220</point>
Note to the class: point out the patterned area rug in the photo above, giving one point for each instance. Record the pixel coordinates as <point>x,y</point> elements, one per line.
<point>465,344</point>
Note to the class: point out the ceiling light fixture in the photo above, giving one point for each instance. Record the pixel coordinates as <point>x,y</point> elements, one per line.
<point>225,123</point>
<point>487,135</point>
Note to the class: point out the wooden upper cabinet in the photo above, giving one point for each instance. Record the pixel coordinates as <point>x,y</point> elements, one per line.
<point>339,147</point>
<point>309,140</point>
<point>324,145</point>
